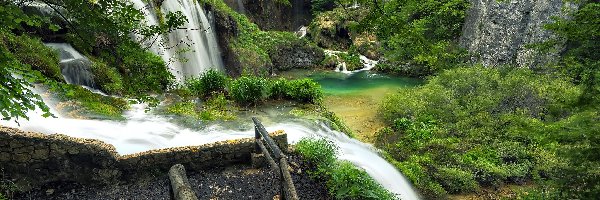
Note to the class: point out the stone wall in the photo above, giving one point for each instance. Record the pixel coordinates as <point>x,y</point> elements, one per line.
<point>498,32</point>
<point>34,159</point>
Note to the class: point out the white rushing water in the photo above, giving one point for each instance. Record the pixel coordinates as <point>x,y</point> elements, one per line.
<point>142,131</point>
<point>188,51</point>
<point>75,68</point>
<point>341,66</point>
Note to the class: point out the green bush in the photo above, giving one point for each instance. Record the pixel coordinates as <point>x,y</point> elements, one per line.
<point>482,126</point>
<point>319,152</point>
<point>278,88</point>
<point>108,78</point>
<point>456,180</point>
<point>344,180</point>
<point>144,71</point>
<point>349,182</point>
<point>31,51</point>
<point>305,90</point>
<point>207,84</point>
<point>248,89</point>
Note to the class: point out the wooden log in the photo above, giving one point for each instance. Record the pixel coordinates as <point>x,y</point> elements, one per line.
<point>267,156</point>
<point>289,190</point>
<point>182,190</point>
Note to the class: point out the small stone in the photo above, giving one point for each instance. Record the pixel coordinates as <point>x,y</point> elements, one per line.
<point>276,197</point>
<point>4,157</point>
<point>49,192</point>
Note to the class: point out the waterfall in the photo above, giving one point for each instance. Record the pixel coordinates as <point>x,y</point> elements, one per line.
<point>144,131</point>
<point>75,68</point>
<point>341,67</point>
<point>188,51</point>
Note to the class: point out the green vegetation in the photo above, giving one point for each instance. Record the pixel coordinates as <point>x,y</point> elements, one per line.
<point>207,84</point>
<point>248,89</point>
<point>419,37</point>
<point>251,45</point>
<point>91,104</point>
<point>478,121</point>
<point>344,180</point>
<point>16,97</point>
<point>318,6</point>
<point>304,90</point>
<point>31,51</point>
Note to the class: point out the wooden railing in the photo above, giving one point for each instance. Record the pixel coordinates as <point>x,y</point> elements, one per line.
<point>273,156</point>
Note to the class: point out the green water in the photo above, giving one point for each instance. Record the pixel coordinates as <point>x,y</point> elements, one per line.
<point>336,83</point>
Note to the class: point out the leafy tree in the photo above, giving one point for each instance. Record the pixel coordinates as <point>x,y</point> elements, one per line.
<point>581,60</point>
<point>419,37</point>
<point>16,97</point>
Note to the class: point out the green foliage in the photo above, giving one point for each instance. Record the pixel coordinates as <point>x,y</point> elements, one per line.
<point>107,78</point>
<point>248,89</point>
<point>16,97</point>
<point>319,152</point>
<point>349,182</point>
<point>187,109</point>
<point>304,90</point>
<point>581,60</point>
<point>419,37</point>
<point>208,84</point>
<point>278,88</point>
<point>32,52</point>
<point>318,6</point>
<point>92,104</point>
<point>481,126</point>
<point>145,71</point>
<point>344,180</point>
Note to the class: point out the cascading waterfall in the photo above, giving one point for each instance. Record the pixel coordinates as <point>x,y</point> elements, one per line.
<point>341,67</point>
<point>188,51</point>
<point>75,68</point>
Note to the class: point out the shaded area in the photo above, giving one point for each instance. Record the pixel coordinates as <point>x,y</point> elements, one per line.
<point>232,182</point>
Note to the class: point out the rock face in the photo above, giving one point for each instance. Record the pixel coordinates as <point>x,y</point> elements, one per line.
<point>497,32</point>
<point>297,55</point>
<point>271,15</point>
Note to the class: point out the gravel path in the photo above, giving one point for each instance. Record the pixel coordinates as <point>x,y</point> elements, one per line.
<point>233,182</point>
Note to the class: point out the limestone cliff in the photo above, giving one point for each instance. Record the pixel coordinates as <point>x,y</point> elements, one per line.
<point>272,15</point>
<point>498,32</point>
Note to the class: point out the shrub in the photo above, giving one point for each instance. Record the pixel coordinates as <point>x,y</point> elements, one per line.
<point>305,90</point>
<point>144,71</point>
<point>208,83</point>
<point>108,78</point>
<point>344,180</point>
<point>33,52</point>
<point>482,126</point>
<point>456,180</point>
<point>248,89</point>
<point>278,88</point>
<point>349,182</point>
<point>319,152</point>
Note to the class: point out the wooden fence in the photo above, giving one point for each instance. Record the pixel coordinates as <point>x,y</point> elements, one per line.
<point>273,154</point>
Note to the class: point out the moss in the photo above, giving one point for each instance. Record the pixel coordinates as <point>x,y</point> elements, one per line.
<point>108,78</point>
<point>252,46</point>
<point>91,104</point>
<point>185,109</point>
<point>33,52</point>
